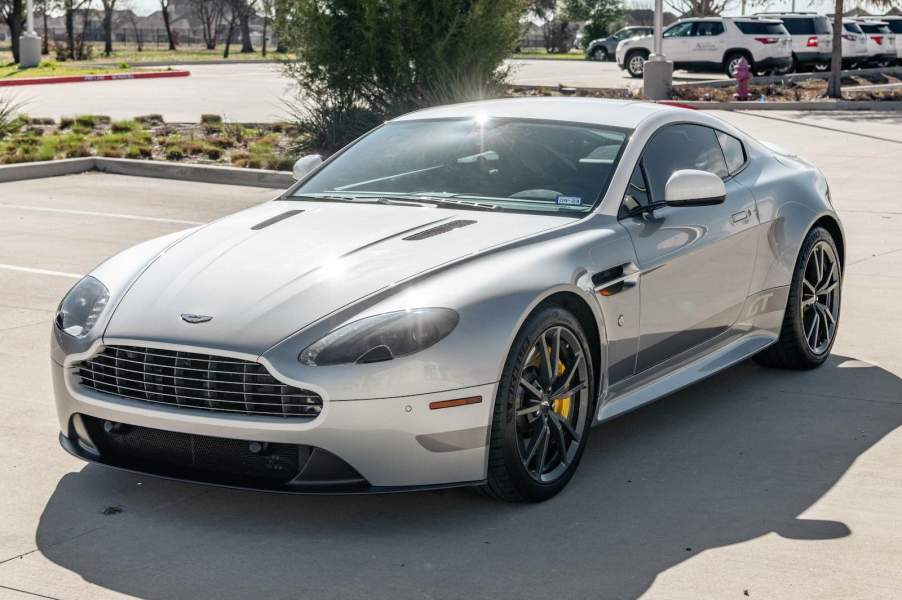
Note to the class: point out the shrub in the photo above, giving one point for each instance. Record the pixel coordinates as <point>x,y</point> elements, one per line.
<point>365,61</point>
<point>149,120</point>
<point>174,152</point>
<point>86,121</point>
<point>124,126</point>
<point>9,123</point>
<point>66,122</point>
<point>210,119</point>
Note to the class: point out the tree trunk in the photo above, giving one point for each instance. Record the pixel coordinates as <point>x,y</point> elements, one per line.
<point>246,45</point>
<point>265,22</point>
<point>229,35</point>
<point>834,85</point>
<point>165,10</point>
<point>45,44</point>
<point>15,24</point>
<point>108,29</point>
<point>70,33</point>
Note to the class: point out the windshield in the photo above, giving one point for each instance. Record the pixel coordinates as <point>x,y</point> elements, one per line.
<point>508,164</point>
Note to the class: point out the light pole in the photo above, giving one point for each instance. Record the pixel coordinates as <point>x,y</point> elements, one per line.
<point>29,42</point>
<point>657,73</point>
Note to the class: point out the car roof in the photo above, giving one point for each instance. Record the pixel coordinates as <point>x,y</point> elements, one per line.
<point>592,111</point>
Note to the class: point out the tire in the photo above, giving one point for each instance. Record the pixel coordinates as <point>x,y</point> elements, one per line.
<point>733,57</point>
<point>821,67</point>
<point>634,62</point>
<point>528,468</point>
<point>794,348</point>
<point>600,54</point>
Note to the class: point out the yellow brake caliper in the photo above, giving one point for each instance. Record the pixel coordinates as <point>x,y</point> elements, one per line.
<point>562,405</point>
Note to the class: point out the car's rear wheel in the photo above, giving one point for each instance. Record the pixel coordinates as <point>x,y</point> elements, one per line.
<point>635,63</point>
<point>812,311</point>
<point>731,63</point>
<point>600,54</point>
<point>543,410</point>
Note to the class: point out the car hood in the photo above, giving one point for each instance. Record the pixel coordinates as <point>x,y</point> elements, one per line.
<point>263,274</point>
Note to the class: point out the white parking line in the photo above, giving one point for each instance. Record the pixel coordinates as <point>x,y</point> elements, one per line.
<point>40,271</point>
<point>99,214</point>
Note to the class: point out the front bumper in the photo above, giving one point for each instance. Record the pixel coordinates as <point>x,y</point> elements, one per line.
<point>387,444</point>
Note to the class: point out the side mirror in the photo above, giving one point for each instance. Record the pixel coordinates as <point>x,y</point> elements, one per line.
<point>305,164</point>
<point>689,187</point>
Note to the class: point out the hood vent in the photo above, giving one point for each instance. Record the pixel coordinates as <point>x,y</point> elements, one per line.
<point>444,228</point>
<point>276,219</point>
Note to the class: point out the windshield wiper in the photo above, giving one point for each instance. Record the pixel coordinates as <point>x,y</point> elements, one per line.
<point>361,200</point>
<point>455,202</point>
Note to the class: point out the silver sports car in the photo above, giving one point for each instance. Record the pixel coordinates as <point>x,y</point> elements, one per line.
<point>452,300</point>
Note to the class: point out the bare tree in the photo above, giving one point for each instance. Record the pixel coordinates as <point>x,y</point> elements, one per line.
<point>240,12</point>
<point>698,8</point>
<point>247,11</point>
<point>165,5</point>
<point>70,11</point>
<point>211,14</point>
<point>109,8</point>
<point>267,8</point>
<point>13,13</point>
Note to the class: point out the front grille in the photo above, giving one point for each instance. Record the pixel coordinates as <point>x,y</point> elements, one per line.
<point>194,381</point>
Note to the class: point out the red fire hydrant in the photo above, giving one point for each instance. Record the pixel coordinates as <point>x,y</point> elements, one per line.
<point>742,76</point>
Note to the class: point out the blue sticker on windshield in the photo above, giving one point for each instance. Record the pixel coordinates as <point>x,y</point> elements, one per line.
<point>570,200</point>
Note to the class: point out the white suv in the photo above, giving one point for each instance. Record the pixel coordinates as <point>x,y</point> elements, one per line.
<point>812,39</point>
<point>714,44</point>
<point>854,45</point>
<point>881,41</point>
<point>895,25</point>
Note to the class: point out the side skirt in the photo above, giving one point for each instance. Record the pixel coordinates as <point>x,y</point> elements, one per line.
<point>757,328</point>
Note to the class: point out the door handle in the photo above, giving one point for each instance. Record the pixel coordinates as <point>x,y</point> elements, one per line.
<point>741,217</point>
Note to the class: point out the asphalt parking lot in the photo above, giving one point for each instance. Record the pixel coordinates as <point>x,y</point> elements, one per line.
<point>755,483</point>
<point>258,93</point>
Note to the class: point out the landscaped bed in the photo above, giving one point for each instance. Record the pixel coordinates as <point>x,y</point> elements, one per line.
<point>212,141</point>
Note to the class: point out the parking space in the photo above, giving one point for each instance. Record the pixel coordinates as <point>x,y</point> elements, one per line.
<point>755,483</point>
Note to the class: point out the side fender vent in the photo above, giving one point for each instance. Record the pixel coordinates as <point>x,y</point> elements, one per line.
<point>276,219</point>
<point>444,228</point>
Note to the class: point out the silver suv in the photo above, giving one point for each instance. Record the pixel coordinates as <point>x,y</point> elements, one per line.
<point>714,44</point>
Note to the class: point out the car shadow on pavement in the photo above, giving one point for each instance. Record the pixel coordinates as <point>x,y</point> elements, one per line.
<point>736,457</point>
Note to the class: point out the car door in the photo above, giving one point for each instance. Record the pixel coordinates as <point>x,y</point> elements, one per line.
<point>706,44</point>
<point>695,262</point>
<point>676,41</point>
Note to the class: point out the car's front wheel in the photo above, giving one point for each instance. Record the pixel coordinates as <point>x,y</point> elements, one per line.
<point>812,311</point>
<point>600,54</point>
<point>635,63</point>
<point>543,410</point>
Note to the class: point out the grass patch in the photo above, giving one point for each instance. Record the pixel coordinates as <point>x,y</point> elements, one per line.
<point>50,68</point>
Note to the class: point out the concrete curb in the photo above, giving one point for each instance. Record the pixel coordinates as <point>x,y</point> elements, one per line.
<point>85,78</point>
<point>148,168</point>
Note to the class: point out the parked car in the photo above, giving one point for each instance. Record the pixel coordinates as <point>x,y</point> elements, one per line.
<point>452,300</point>
<point>812,42</point>
<point>881,42</point>
<point>895,25</point>
<point>714,44</point>
<point>854,46</point>
<point>605,48</point>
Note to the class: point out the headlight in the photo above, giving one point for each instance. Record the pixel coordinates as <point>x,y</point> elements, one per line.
<point>382,337</point>
<point>82,306</point>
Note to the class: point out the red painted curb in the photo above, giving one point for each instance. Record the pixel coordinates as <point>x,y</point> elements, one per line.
<point>83,78</point>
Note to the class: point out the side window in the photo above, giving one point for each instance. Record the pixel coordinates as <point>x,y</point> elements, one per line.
<point>706,28</point>
<point>679,147</point>
<point>733,151</point>
<point>636,192</point>
<point>679,30</point>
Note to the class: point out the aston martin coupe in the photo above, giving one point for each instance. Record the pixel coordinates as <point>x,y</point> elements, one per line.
<point>454,299</point>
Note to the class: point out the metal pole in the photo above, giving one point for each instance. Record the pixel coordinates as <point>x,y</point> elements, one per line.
<point>29,17</point>
<point>659,27</point>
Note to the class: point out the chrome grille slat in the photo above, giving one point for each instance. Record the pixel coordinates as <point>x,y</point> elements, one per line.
<point>217,381</point>
<point>194,381</point>
<point>243,394</point>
